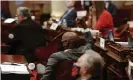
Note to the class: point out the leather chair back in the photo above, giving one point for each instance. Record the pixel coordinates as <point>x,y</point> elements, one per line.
<point>43,53</point>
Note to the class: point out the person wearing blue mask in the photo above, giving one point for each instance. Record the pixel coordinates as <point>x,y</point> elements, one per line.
<point>88,67</point>
<point>70,15</point>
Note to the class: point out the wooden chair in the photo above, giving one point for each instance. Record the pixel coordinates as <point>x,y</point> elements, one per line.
<point>64,70</point>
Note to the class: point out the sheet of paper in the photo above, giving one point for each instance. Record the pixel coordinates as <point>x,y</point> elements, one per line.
<point>94,32</point>
<point>130,24</point>
<point>17,69</point>
<point>123,43</point>
<point>9,63</point>
<point>78,29</point>
<point>9,20</point>
<point>102,42</point>
<point>81,13</point>
<point>54,26</point>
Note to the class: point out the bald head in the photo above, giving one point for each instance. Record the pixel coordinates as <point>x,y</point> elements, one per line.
<point>69,36</point>
<point>70,40</point>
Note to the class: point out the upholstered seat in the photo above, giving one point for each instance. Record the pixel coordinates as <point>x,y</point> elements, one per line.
<point>43,53</point>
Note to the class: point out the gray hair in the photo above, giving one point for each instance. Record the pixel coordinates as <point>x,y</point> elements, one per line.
<point>23,11</point>
<point>94,62</point>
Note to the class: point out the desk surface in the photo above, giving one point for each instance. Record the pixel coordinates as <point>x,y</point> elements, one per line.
<point>13,58</point>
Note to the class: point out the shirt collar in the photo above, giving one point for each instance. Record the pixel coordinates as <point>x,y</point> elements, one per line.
<point>67,50</point>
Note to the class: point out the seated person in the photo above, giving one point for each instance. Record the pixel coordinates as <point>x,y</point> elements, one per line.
<point>110,7</point>
<point>71,52</point>
<point>70,15</point>
<point>27,35</point>
<point>101,19</point>
<point>88,67</point>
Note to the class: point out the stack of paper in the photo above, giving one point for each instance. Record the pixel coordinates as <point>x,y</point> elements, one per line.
<point>17,69</point>
<point>93,32</point>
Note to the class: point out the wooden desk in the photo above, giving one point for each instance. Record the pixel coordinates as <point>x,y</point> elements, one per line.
<point>5,30</point>
<point>14,59</point>
<point>115,64</point>
<point>96,47</point>
<point>5,48</point>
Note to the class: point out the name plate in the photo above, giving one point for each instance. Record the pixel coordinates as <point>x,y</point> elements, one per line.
<point>102,42</point>
<point>54,26</point>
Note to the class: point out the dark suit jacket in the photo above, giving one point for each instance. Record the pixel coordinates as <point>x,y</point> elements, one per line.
<point>70,17</point>
<point>27,36</point>
<point>112,9</point>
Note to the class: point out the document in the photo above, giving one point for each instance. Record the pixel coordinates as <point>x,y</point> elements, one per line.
<point>102,42</point>
<point>130,24</point>
<point>54,26</point>
<point>81,13</point>
<point>93,32</point>
<point>9,20</point>
<point>13,68</point>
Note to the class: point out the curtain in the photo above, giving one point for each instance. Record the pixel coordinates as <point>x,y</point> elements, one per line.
<point>5,11</point>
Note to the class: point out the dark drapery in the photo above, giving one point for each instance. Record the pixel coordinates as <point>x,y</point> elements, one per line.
<point>5,11</point>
